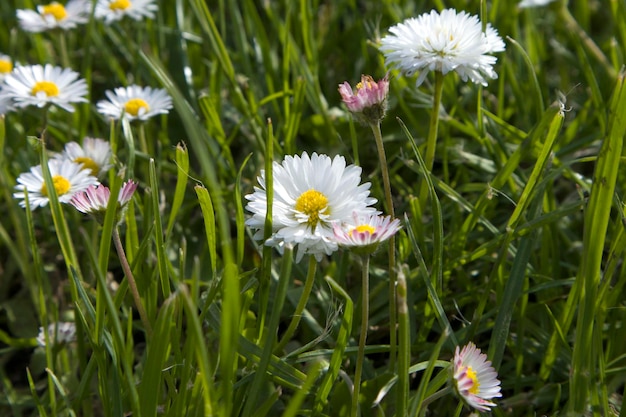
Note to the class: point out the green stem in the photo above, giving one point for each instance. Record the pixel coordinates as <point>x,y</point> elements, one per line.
<point>404,348</point>
<point>132,285</point>
<point>444,391</point>
<point>393,315</point>
<point>365,310</point>
<point>431,144</point>
<point>304,298</point>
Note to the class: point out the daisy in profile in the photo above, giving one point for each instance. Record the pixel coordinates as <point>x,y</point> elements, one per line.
<point>58,333</point>
<point>310,195</point>
<point>135,103</point>
<point>95,155</point>
<point>68,178</point>
<point>444,42</point>
<point>475,380</point>
<point>113,10</point>
<point>95,199</point>
<point>6,66</point>
<point>54,16</point>
<point>36,85</point>
<point>524,4</point>
<point>363,233</point>
<point>368,102</point>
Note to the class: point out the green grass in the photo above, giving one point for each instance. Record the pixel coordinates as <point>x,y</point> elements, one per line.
<point>519,247</point>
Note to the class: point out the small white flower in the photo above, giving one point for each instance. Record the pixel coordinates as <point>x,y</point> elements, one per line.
<point>135,103</point>
<point>6,103</point>
<point>94,155</point>
<point>113,10</point>
<point>68,178</point>
<point>475,380</point>
<point>533,3</point>
<point>54,16</point>
<point>310,195</point>
<point>444,42</point>
<point>34,85</point>
<point>6,66</point>
<point>363,233</point>
<point>58,333</point>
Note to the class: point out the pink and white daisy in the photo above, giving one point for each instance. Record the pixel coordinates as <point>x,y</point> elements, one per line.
<point>36,85</point>
<point>95,199</point>
<point>369,102</point>
<point>444,42</point>
<point>135,103</point>
<point>54,16</point>
<point>363,233</point>
<point>475,380</point>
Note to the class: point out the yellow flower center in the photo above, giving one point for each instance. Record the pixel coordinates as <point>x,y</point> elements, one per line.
<point>61,185</point>
<point>88,163</point>
<point>312,203</point>
<point>47,87</point>
<point>134,105</point>
<point>366,82</point>
<point>363,228</point>
<point>55,10</point>
<point>475,384</point>
<point>6,66</point>
<point>119,5</point>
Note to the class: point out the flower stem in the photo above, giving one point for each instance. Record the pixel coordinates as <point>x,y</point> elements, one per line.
<point>404,348</point>
<point>431,144</point>
<point>297,315</point>
<point>378,136</point>
<point>131,281</point>
<point>365,311</point>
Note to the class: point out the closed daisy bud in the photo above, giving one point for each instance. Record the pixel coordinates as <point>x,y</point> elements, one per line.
<point>368,102</point>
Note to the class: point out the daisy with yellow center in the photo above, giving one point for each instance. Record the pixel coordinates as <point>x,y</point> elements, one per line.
<point>68,178</point>
<point>475,380</point>
<point>94,155</point>
<point>135,103</point>
<point>362,234</point>
<point>6,66</point>
<point>110,11</point>
<point>311,194</point>
<point>55,16</point>
<point>36,85</point>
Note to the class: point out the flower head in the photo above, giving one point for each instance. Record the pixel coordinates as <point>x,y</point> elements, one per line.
<point>310,195</point>
<point>113,10</point>
<point>475,380</point>
<point>68,178</point>
<point>6,66</point>
<point>58,333</point>
<point>369,102</point>
<point>95,199</point>
<point>94,155</point>
<point>363,233</point>
<point>444,42</point>
<point>34,85</point>
<point>135,103</point>
<point>533,3</point>
<point>54,16</point>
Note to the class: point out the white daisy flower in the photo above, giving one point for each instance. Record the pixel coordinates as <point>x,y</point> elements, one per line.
<point>6,66</point>
<point>95,155</point>
<point>54,16</point>
<point>6,103</point>
<point>68,178</point>
<point>444,42</point>
<point>113,10</point>
<point>533,3</point>
<point>135,103</point>
<point>34,85</point>
<point>58,333</point>
<point>310,195</point>
<point>475,380</point>
<point>363,233</point>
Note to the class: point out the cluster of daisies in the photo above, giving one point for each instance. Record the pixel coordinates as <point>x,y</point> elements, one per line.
<point>77,12</point>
